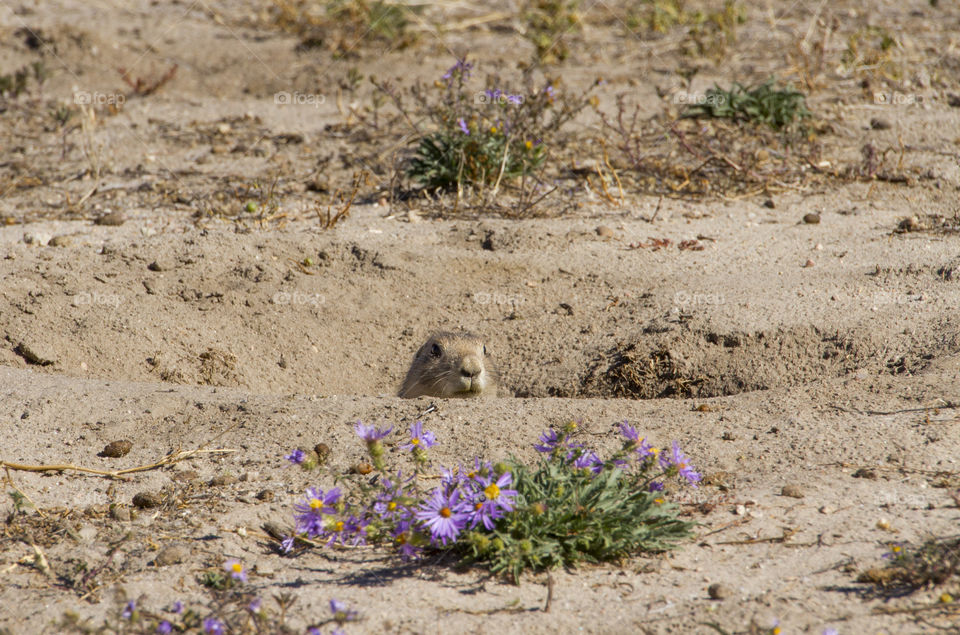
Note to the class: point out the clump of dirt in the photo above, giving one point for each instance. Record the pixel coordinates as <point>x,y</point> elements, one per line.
<point>695,361</point>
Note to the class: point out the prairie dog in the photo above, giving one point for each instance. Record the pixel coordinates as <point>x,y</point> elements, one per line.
<point>451,365</point>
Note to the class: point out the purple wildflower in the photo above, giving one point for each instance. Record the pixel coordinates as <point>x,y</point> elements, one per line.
<point>493,96</point>
<point>390,503</point>
<point>341,613</point>
<point>588,460</point>
<point>682,463</point>
<point>655,486</point>
<point>352,530</point>
<point>129,610</point>
<point>551,93</point>
<point>296,457</point>
<point>463,126</point>
<point>460,70</point>
<point>830,631</point>
<point>164,628</point>
<point>419,438</point>
<point>310,511</point>
<point>444,515</point>
<point>516,100</point>
<point>496,498</point>
<point>235,569</point>
<point>403,536</point>
<point>177,607</point>
<point>254,606</point>
<point>213,626</point>
<point>549,441</point>
<point>370,433</point>
<point>286,545</point>
<point>629,432</point>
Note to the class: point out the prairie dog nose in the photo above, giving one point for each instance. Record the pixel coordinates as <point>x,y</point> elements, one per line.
<point>471,367</point>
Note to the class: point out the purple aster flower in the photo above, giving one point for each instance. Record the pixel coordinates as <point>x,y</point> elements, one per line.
<point>419,438</point>
<point>403,537</point>
<point>629,432</point>
<point>313,630</point>
<point>390,503</point>
<point>463,126</point>
<point>495,499</point>
<point>310,512</point>
<point>444,515</point>
<point>341,613</point>
<point>254,606</point>
<point>129,610</point>
<point>549,441</point>
<point>516,100</point>
<point>296,457</point>
<point>235,569</point>
<point>588,460</point>
<point>830,631</point>
<point>461,69</point>
<point>494,95</point>
<point>645,450</point>
<point>164,628</point>
<point>371,433</point>
<point>655,486</point>
<point>287,544</point>
<point>682,463</point>
<point>177,607</point>
<point>213,626</point>
<point>551,93</point>
<point>352,530</point>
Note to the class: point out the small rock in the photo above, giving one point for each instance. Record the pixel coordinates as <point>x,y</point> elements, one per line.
<point>172,554</point>
<point>867,473</point>
<point>111,219</point>
<point>719,591</point>
<point>809,263</point>
<point>116,449</point>
<point>953,100</point>
<point>812,218</point>
<point>488,243</point>
<point>769,204</point>
<point>605,232</point>
<point>88,534</point>
<point>246,477</point>
<point>121,513</point>
<point>827,509</point>
<point>740,510</point>
<point>60,241</point>
<point>223,480</point>
<point>323,452</point>
<point>155,266</point>
<point>793,491</point>
<point>567,308</point>
<point>911,224</point>
<point>318,185</point>
<point>880,124</point>
<point>265,495</point>
<point>147,500</point>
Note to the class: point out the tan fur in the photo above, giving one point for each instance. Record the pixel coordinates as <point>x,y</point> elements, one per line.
<point>451,365</point>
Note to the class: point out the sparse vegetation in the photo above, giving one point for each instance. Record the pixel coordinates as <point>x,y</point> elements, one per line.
<point>778,108</point>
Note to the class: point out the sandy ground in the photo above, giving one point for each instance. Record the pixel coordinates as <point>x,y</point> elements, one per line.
<point>782,353</point>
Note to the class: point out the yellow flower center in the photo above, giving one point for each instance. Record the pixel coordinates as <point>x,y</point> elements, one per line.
<point>492,491</point>
<point>338,526</point>
<point>392,505</point>
<point>236,567</point>
<point>415,441</point>
<point>493,129</point>
<point>316,503</point>
<point>658,501</point>
<point>445,512</point>
<point>478,506</point>
<point>529,144</point>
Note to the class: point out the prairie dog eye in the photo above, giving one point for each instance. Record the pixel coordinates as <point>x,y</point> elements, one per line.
<point>436,351</point>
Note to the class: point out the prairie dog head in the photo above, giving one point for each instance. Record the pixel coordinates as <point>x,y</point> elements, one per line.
<point>451,365</point>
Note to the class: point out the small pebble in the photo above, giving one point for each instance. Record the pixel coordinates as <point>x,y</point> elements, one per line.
<point>172,554</point>
<point>147,500</point>
<point>911,224</point>
<point>793,491</point>
<point>155,266</point>
<point>719,591</point>
<point>605,232</point>
<point>223,480</point>
<point>111,219</point>
<point>116,449</point>
<point>60,241</point>
<point>812,218</point>
<point>880,124</point>
<point>808,263</point>
<point>867,473</point>
<point>265,495</point>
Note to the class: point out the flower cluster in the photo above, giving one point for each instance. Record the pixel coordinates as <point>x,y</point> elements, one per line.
<point>502,511</point>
